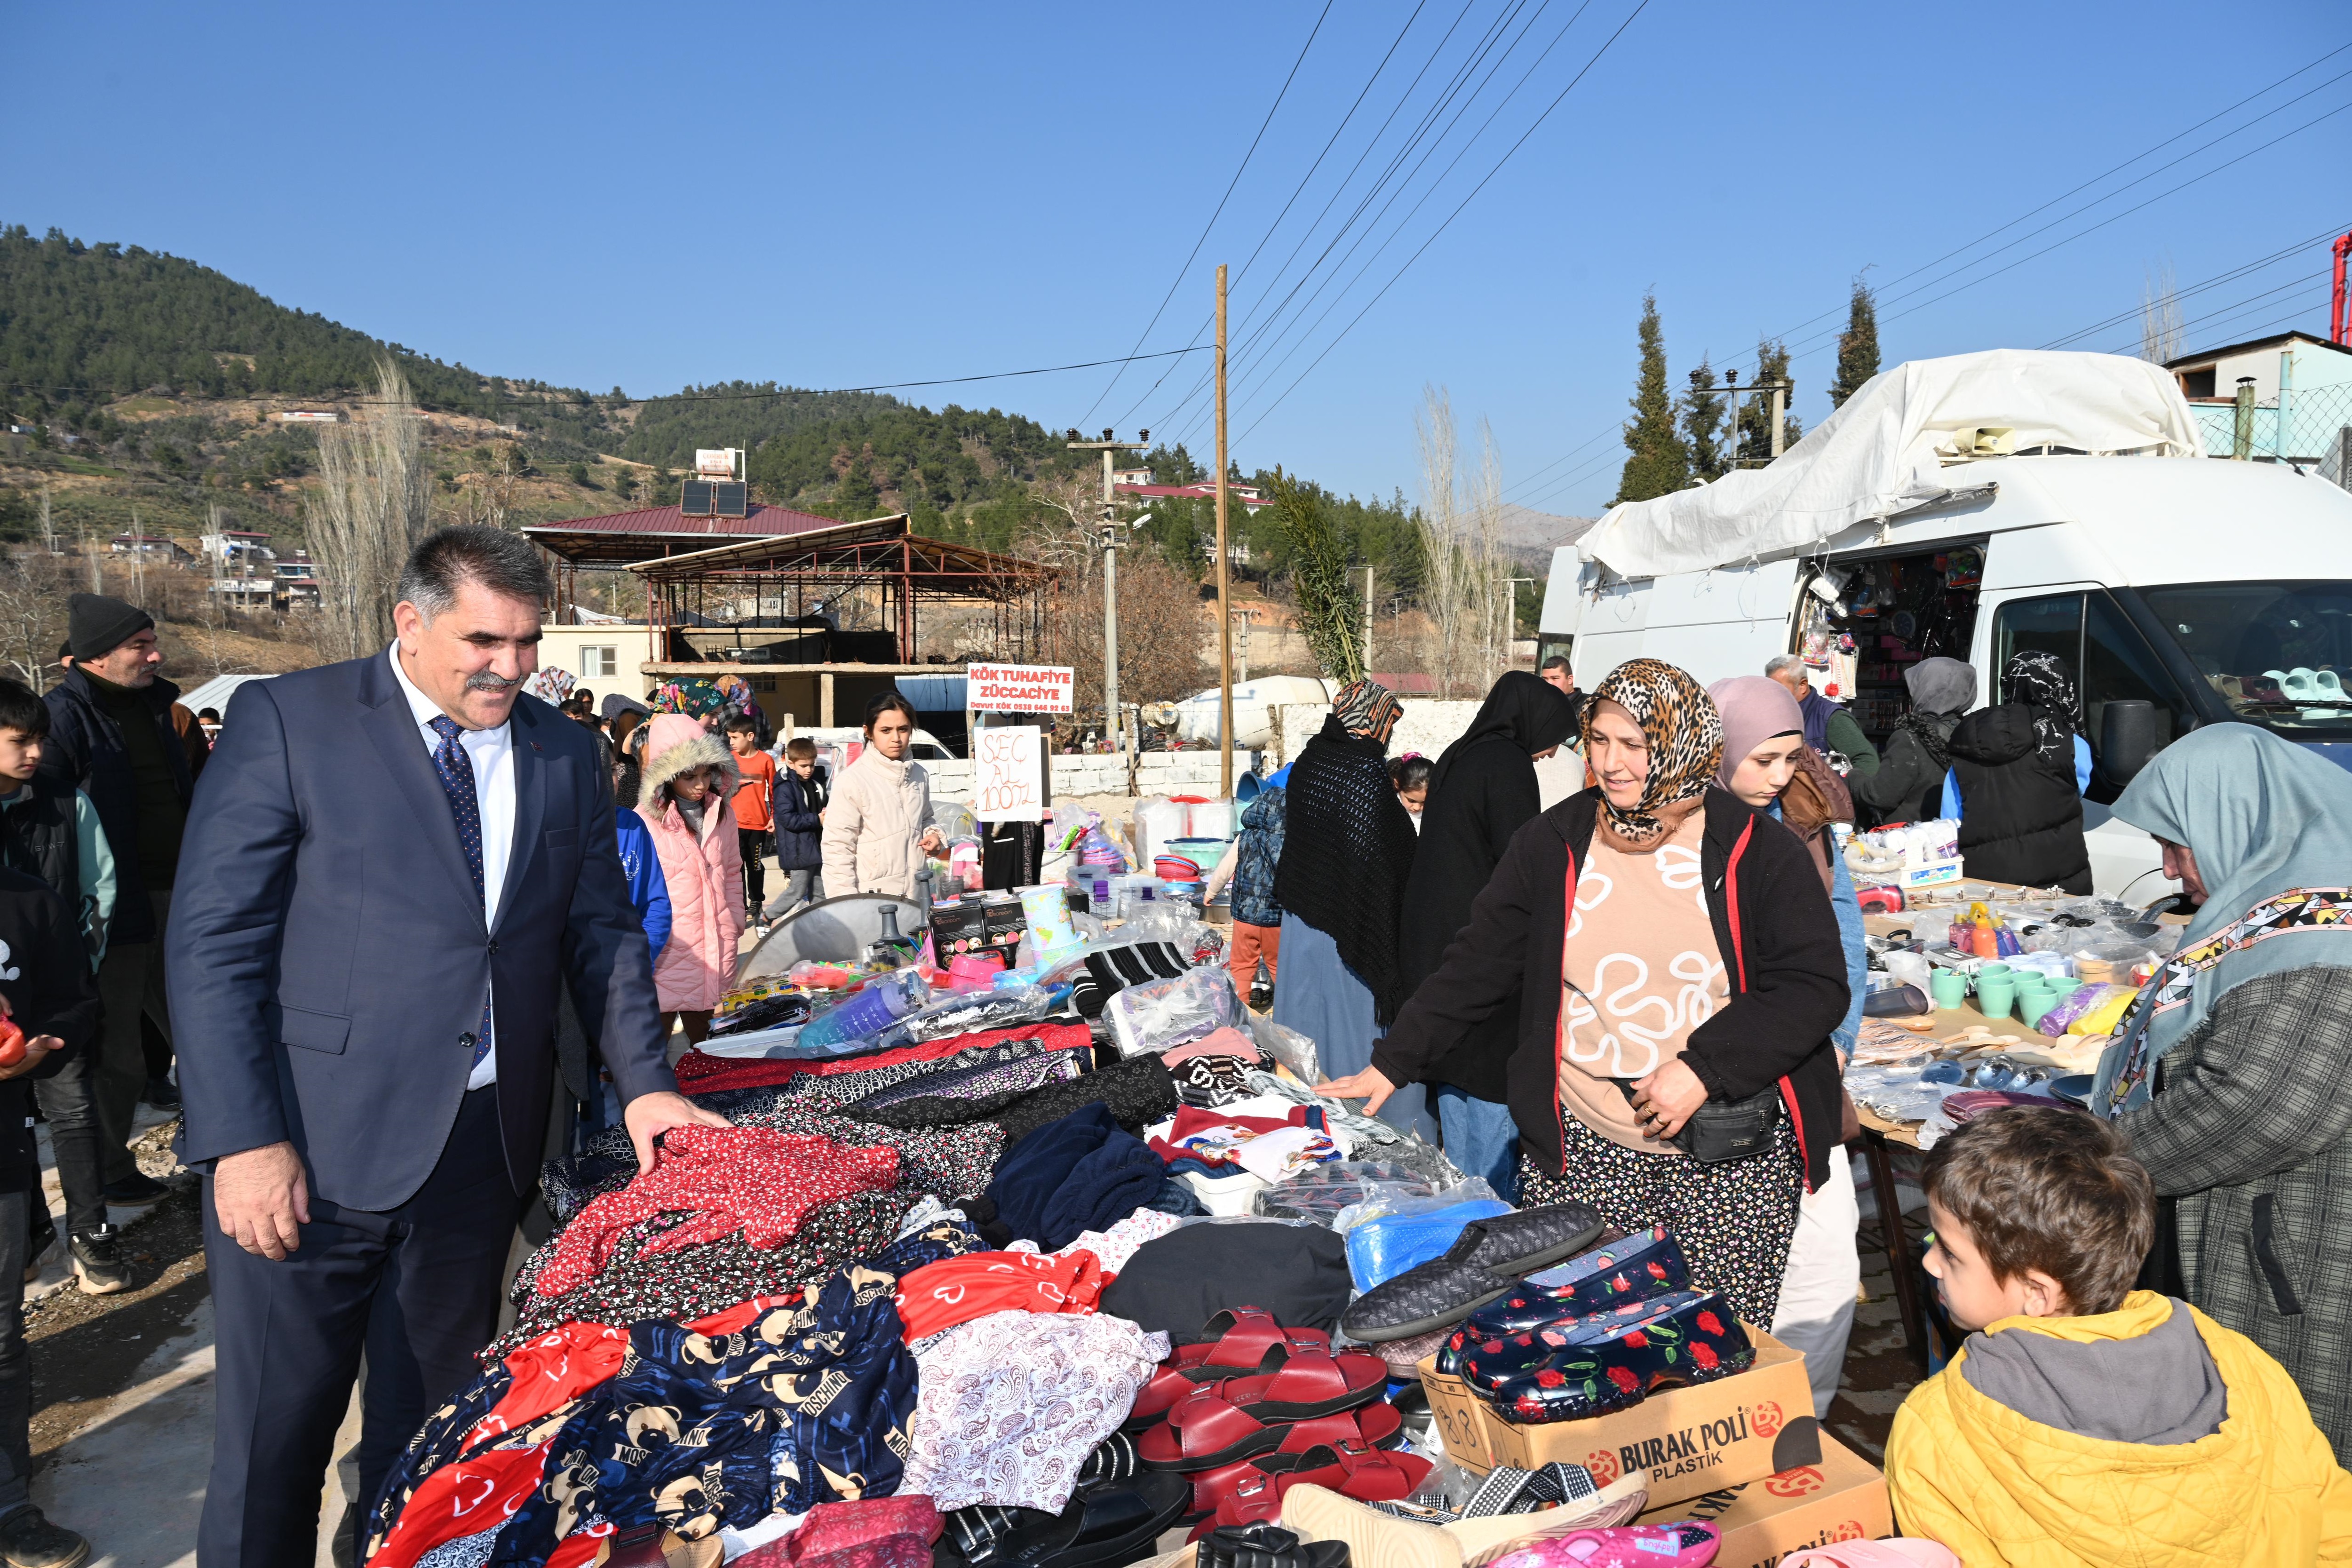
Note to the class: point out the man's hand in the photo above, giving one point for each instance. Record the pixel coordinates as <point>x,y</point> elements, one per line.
<point>262,1198</point>
<point>37,1051</point>
<point>1667,1097</point>
<point>650,1114</point>
<point>931,843</point>
<point>1371,1086</point>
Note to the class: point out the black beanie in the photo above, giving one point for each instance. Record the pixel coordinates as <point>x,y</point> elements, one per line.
<point>96,625</point>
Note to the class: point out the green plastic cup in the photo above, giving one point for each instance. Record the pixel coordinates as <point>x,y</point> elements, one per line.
<point>1949,987</point>
<point>2032,1006</point>
<point>1995,993</point>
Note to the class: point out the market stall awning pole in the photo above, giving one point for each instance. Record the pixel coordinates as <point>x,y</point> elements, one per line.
<point>1224,611</point>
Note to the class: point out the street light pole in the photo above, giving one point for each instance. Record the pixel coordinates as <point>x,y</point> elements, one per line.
<point>1109,545</point>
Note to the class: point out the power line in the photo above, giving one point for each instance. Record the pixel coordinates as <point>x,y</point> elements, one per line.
<point>1465,200</point>
<point>1257,368</point>
<point>713,396</point>
<point>1135,353</point>
<point>2233,275</point>
<point>1412,140</point>
<point>1294,195</point>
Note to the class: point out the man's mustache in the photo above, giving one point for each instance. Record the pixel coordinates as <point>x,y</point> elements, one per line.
<point>490,680</point>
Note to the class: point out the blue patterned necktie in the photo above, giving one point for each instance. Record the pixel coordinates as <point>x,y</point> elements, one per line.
<point>457,771</point>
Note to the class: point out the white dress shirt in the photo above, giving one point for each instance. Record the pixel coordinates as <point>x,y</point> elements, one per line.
<point>491,754</point>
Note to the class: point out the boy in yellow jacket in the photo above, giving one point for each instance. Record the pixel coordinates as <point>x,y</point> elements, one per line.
<point>2085,1422</point>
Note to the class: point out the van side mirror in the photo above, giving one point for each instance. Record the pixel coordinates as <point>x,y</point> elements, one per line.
<point>2127,739</point>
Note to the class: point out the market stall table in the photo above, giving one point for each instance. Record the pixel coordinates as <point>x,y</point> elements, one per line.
<point>1878,1133</point>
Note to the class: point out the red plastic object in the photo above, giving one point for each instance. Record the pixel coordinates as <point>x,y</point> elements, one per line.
<point>1880,900</point>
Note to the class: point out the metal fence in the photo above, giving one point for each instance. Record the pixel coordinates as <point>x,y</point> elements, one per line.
<point>2313,429</point>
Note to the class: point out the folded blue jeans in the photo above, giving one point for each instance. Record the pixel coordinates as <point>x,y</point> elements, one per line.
<point>1481,1139</point>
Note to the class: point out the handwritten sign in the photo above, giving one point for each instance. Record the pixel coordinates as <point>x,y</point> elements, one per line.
<point>1008,779</point>
<point>1018,687</point>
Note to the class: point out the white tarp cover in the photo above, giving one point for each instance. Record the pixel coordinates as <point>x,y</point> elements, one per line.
<point>1886,451</point>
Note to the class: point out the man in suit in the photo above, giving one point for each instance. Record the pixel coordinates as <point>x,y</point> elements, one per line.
<point>390,865</point>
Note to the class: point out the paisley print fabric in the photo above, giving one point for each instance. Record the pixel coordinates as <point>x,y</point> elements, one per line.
<point>1684,732</point>
<point>1011,1405</point>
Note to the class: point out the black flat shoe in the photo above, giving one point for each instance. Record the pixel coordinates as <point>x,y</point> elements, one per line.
<point>1266,1546</point>
<point>1105,1526</point>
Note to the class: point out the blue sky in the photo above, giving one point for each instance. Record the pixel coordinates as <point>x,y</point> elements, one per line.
<point>842,196</point>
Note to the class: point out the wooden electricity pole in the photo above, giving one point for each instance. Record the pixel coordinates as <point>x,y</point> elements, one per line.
<point>1224,610</point>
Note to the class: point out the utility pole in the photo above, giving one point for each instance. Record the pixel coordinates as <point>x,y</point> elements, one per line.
<point>1778,439</point>
<point>1110,546</point>
<point>1225,607</point>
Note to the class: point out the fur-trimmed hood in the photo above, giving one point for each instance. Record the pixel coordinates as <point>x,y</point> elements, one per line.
<point>678,744</point>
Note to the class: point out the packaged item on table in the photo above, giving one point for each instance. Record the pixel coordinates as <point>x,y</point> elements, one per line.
<point>965,1012</point>
<point>2062,1017</point>
<point>1166,1013</point>
<point>1322,1193</point>
<point>1047,913</point>
<point>2103,1018</point>
<point>1416,1230</point>
<point>867,1013</point>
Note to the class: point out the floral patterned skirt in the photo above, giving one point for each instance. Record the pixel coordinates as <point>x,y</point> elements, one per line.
<point>1735,1220</point>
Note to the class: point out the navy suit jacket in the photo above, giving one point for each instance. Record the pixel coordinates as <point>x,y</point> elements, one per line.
<point>327,951</point>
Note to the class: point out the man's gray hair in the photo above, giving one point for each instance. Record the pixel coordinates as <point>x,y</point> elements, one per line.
<point>507,564</point>
<point>1780,662</point>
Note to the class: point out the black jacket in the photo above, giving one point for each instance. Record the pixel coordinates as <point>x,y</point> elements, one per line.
<point>800,832</point>
<point>85,750</point>
<point>45,976</point>
<point>1908,786</point>
<point>39,837</point>
<point>2020,813</point>
<point>1483,789</point>
<point>1773,926</point>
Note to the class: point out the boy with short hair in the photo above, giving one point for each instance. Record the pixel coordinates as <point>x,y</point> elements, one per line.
<point>800,826</point>
<point>50,832</point>
<point>2085,1421</point>
<point>49,994</point>
<point>755,791</point>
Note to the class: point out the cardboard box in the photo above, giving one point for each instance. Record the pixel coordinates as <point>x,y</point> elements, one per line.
<point>1696,1439</point>
<point>1840,1499</point>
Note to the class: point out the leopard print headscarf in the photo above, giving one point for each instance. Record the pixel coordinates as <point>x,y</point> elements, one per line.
<point>1685,732</point>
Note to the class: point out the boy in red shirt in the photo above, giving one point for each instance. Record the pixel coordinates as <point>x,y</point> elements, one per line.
<point>755,816</point>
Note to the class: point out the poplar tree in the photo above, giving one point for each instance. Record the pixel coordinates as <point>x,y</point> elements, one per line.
<point>1857,346</point>
<point>1658,465</point>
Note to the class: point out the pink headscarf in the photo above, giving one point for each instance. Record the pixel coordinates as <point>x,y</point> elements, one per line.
<point>1755,708</point>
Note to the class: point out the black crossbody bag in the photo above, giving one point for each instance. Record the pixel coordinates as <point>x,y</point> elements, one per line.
<point>1724,1130</point>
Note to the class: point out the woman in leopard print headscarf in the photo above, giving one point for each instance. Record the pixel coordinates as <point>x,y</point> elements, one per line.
<point>1684,732</point>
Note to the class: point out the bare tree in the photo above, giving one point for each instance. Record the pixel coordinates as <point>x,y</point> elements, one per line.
<point>1460,523</point>
<point>49,525</point>
<point>33,590</point>
<point>370,508</point>
<point>2159,318</point>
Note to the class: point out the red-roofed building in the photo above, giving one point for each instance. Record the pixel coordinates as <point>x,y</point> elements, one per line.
<point>1250,497</point>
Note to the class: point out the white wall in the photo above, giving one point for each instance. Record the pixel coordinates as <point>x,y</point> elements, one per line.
<point>1156,773</point>
<point>1428,727</point>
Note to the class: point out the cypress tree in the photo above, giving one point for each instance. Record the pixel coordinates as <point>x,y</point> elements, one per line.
<point>1703,426</point>
<point>1658,465</point>
<point>1857,346</point>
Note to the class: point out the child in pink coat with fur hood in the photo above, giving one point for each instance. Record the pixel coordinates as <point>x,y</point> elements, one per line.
<point>689,776</point>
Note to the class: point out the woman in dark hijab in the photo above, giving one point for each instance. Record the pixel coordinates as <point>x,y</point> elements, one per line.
<point>1483,792</point>
<point>2018,771</point>
<point>1346,849</point>
<point>1909,783</point>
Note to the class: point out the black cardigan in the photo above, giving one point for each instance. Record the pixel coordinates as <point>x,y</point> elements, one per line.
<point>1773,925</point>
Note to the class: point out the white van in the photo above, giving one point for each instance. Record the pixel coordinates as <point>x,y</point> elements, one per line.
<point>2215,590</point>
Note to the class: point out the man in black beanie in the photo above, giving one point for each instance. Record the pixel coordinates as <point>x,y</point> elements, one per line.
<point>110,733</point>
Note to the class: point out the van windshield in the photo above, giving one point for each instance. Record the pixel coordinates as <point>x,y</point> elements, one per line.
<point>2280,652</point>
